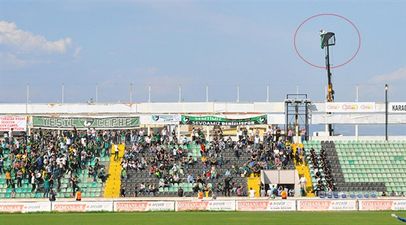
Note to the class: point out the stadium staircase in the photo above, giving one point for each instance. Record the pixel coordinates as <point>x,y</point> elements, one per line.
<point>304,170</point>
<point>113,183</point>
<point>254,182</point>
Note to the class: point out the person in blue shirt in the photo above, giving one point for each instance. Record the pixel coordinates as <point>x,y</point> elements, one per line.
<point>399,218</point>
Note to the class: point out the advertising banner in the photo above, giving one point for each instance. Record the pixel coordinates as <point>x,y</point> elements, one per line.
<point>132,206</point>
<point>326,205</point>
<point>82,206</point>
<point>384,204</point>
<point>397,107</point>
<point>284,205</point>
<point>221,206</point>
<point>160,119</point>
<point>222,121</point>
<point>25,207</point>
<point>252,205</point>
<point>97,123</point>
<point>205,206</point>
<point>18,123</point>
<point>350,107</point>
<point>276,118</point>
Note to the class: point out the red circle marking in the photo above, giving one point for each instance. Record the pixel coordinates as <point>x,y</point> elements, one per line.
<point>328,14</point>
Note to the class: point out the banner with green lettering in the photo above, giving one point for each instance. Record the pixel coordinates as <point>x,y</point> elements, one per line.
<point>97,123</point>
<point>222,121</point>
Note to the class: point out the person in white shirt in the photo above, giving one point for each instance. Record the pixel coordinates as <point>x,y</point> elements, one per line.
<point>252,193</point>
<point>10,133</point>
<point>115,152</point>
<point>302,183</point>
<point>263,193</point>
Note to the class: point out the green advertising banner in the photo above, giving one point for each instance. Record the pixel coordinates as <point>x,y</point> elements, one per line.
<point>65,122</point>
<point>221,121</point>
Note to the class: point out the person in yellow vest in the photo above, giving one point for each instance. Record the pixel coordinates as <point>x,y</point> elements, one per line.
<point>78,195</point>
<point>284,194</point>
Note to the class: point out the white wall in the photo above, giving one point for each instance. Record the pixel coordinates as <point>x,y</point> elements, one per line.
<point>276,109</point>
<point>141,108</point>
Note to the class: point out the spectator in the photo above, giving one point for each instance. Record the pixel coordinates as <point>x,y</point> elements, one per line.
<point>8,178</point>
<point>116,151</point>
<point>1,161</point>
<point>302,183</point>
<point>122,192</point>
<point>251,193</point>
<point>263,193</point>
<point>46,187</point>
<point>180,192</point>
<point>52,195</point>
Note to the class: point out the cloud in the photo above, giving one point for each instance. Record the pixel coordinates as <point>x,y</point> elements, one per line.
<point>399,74</point>
<point>10,35</point>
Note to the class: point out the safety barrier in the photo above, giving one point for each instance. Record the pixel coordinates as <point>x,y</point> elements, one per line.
<point>204,205</point>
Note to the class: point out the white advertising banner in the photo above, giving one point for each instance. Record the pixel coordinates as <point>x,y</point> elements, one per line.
<point>326,205</point>
<point>397,107</point>
<point>132,206</point>
<point>25,207</point>
<point>82,206</point>
<point>276,118</point>
<point>284,205</point>
<point>384,204</point>
<point>160,119</point>
<point>350,107</point>
<point>18,123</point>
<point>260,205</point>
<point>205,206</point>
<point>221,206</point>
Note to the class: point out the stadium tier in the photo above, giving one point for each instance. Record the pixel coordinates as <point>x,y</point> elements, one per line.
<point>358,167</point>
<point>53,161</point>
<point>68,161</point>
<point>189,172</point>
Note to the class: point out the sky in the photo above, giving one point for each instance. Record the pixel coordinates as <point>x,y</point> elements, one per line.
<point>193,44</point>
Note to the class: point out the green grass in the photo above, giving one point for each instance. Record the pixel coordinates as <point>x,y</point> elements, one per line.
<point>202,218</point>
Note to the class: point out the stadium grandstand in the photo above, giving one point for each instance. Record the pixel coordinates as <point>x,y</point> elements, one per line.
<point>197,150</point>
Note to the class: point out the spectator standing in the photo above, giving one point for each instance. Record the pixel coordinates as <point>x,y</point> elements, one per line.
<point>251,193</point>
<point>180,192</point>
<point>52,195</point>
<point>1,161</point>
<point>116,152</point>
<point>302,183</point>
<point>33,182</point>
<point>46,187</point>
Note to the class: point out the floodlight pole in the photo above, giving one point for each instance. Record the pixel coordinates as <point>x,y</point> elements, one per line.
<point>330,92</point>
<point>386,112</point>
<point>325,42</point>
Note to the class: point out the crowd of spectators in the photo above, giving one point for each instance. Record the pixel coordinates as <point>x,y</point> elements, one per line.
<point>322,172</point>
<point>45,157</point>
<point>171,162</point>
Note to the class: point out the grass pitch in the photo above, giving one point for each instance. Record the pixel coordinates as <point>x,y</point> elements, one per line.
<point>202,218</point>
